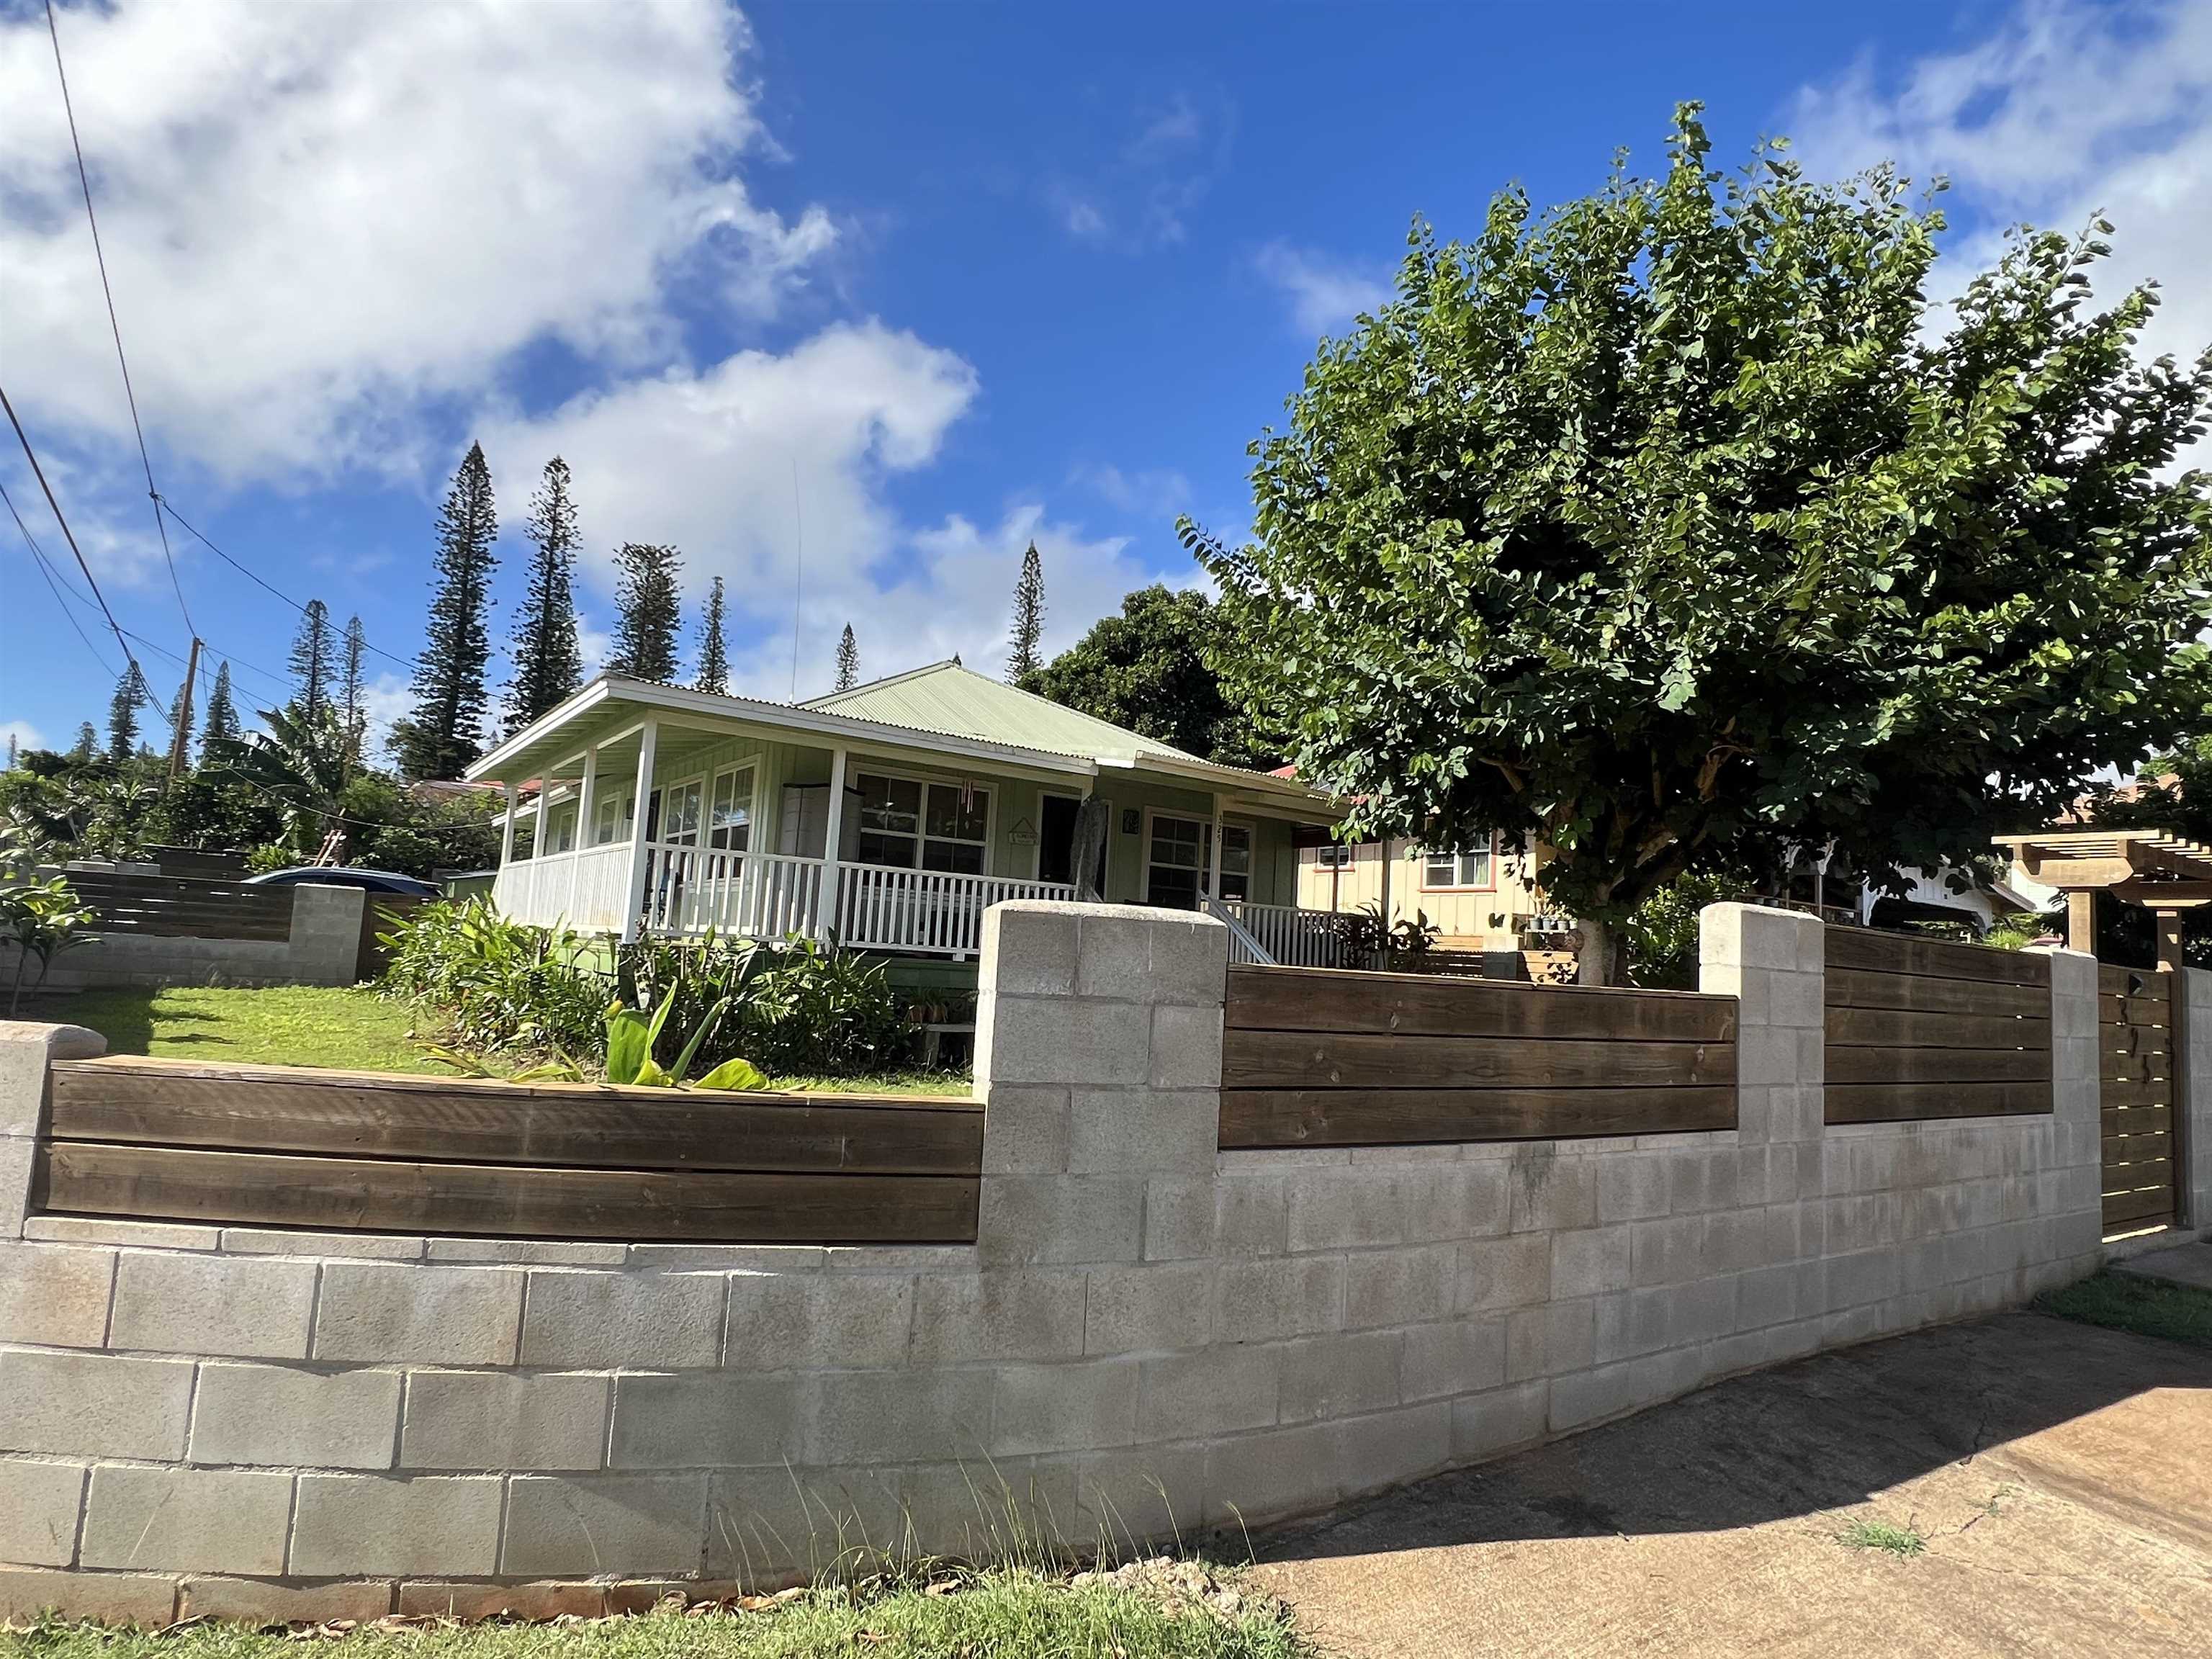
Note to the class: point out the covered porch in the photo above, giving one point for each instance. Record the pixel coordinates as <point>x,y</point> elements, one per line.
<point>760,820</point>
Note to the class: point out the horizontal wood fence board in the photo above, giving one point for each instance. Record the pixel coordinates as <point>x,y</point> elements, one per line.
<point>1310,1000</point>
<point>2135,1042</point>
<point>503,1201</point>
<point>2147,983</point>
<point>1903,1028</point>
<point>2135,1097</point>
<point>1867,950</point>
<point>2135,1144</point>
<point>1253,1118</point>
<point>2142,1207</point>
<point>487,1121</point>
<point>1938,1066</point>
<point>1854,988</point>
<point>2134,1010</point>
<point>1368,1061</point>
<point>1898,1102</point>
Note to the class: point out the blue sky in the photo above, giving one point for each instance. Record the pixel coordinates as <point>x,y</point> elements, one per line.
<point>901,286</point>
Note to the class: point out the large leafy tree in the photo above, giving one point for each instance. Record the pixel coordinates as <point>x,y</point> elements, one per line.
<point>648,610</point>
<point>1672,518</point>
<point>1145,669</point>
<point>444,732</point>
<point>548,666</point>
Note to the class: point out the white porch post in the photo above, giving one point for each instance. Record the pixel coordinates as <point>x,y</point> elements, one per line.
<point>585,804</point>
<point>646,741</point>
<point>507,828</point>
<point>544,811</point>
<point>825,902</point>
<point>1213,859</point>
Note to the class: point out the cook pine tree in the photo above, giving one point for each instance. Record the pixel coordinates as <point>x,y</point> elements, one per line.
<point>311,662</point>
<point>353,690</point>
<point>220,724</point>
<point>123,714</point>
<point>648,611</point>
<point>849,661</point>
<point>713,653</point>
<point>1024,660</point>
<point>548,666</point>
<point>444,732</point>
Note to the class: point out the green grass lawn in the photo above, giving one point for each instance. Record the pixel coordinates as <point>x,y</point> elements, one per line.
<point>351,1029</point>
<point>1011,1614</point>
<point>2148,1307</point>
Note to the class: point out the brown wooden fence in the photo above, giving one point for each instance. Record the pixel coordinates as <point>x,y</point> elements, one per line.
<point>2135,1072</point>
<point>1924,1029</point>
<point>175,907</point>
<point>1316,1058</point>
<point>270,1146</point>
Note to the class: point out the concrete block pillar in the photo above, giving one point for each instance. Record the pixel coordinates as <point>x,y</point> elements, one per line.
<point>1774,963</point>
<point>27,1049</point>
<point>326,928</point>
<point>1099,1058</point>
<point>2076,1105</point>
<point>2192,999</point>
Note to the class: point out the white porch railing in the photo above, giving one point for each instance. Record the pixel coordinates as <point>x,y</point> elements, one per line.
<point>581,889</point>
<point>1292,937</point>
<point>931,910</point>
<point>689,890</point>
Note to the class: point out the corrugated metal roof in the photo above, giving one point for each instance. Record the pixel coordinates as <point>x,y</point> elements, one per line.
<point>956,702</point>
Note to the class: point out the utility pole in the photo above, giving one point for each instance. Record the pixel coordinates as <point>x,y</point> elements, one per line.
<point>180,739</point>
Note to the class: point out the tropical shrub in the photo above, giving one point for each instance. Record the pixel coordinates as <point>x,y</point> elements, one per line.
<point>41,916</point>
<point>821,1009</point>
<point>500,984</point>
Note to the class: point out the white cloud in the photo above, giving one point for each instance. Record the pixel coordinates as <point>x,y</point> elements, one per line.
<point>2063,110</point>
<point>323,221</point>
<point>1142,190</point>
<point>1153,492</point>
<point>22,733</point>
<point>1325,293</point>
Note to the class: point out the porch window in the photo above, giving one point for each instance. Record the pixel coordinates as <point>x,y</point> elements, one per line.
<point>1236,861</point>
<point>730,815</point>
<point>906,824</point>
<point>1456,868</point>
<point>1175,867</point>
<point>610,817</point>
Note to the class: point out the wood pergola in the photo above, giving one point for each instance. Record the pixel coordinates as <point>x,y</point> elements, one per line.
<point>2166,873</point>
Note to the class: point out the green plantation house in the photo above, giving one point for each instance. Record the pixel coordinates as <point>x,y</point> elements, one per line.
<point>889,818</point>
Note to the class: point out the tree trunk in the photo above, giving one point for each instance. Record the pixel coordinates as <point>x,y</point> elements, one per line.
<point>1597,962</point>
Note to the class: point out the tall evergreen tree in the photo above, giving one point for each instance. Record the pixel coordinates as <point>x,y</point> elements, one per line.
<point>353,688</point>
<point>445,732</point>
<point>123,714</point>
<point>87,744</point>
<point>312,650</point>
<point>221,725</point>
<point>11,751</point>
<point>849,661</point>
<point>547,665</point>
<point>714,651</point>
<point>649,610</point>
<point>1023,660</point>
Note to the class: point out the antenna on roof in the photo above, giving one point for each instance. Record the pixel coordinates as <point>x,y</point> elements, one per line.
<point>799,576</point>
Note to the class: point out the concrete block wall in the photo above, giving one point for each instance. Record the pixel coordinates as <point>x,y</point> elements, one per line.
<point>322,950</point>
<point>1148,1335</point>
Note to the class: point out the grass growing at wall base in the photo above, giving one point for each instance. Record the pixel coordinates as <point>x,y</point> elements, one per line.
<point>2148,1307</point>
<point>1009,1612</point>
<point>351,1029</point>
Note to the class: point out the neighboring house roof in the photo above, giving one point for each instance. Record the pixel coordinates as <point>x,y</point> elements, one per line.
<point>956,702</point>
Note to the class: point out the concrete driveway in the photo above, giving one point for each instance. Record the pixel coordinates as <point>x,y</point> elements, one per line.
<point>2062,1476</point>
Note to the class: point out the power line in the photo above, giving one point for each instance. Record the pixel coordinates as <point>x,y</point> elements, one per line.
<point>268,586</point>
<point>84,180</point>
<point>38,557</point>
<point>69,535</point>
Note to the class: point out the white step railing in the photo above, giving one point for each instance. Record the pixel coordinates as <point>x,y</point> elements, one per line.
<point>1244,950</point>
<point>929,910</point>
<point>1288,935</point>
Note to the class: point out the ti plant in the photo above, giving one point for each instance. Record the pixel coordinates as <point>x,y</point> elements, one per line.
<point>43,916</point>
<point>631,1037</point>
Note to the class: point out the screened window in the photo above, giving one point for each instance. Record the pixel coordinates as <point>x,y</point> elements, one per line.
<point>1462,867</point>
<point>908,824</point>
<point>1333,855</point>
<point>1236,861</point>
<point>730,814</point>
<point>1176,862</point>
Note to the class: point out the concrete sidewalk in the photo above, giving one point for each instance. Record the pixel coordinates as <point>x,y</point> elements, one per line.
<point>2062,1476</point>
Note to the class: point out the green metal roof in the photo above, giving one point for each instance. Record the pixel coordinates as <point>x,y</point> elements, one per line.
<point>956,702</point>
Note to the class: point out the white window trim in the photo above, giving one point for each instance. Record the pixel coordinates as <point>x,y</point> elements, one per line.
<point>752,801</point>
<point>1422,855</point>
<point>1251,829</point>
<point>991,789</point>
<point>1145,877</point>
<point>1335,855</point>
<point>663,789</point>
<point>1036,853</point>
